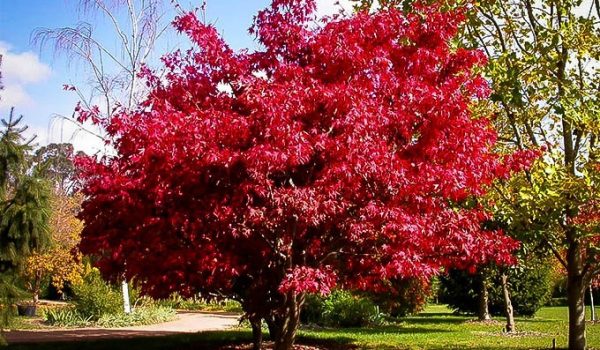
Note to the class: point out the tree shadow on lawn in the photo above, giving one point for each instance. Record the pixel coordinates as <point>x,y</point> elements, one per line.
<point>439,314</point>
<point>434,319</point>
<point>449,318</point>
<point>209,340</point>
<point>392,329</point>
<point>407,346</point>
<point>538,320</point>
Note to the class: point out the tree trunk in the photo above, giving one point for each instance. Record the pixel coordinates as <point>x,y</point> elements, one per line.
<point>257,335</point>
<point>510,319</point>
<point>274,324</point>
<point>483,312</point>
<point>36,288</point>
<point>290,322</point>
<point>575,297</point>
<point>592,306</point>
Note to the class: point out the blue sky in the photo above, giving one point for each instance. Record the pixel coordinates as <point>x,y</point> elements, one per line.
<point>33,77</point>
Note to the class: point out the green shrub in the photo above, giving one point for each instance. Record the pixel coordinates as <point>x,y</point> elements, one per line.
<point>174,301</point>
<point>530,288</point>
<point>403,297</point>
<point>340,309</point>
<point>343,309</point>
<point>68,317</point>
<point>224,305</point>
<point>95,298</point>
<point>312,310</point>
<point>562,301</point>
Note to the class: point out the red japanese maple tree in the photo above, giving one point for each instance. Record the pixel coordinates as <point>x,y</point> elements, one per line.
<point>342,153</point>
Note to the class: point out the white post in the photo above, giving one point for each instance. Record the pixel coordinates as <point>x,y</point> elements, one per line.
<point>592,303</point>
<point>125,289</point>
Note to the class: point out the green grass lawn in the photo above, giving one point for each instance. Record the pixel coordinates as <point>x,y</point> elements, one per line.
<point>436,328</point>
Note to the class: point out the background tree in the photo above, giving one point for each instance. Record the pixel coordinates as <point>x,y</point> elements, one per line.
<point>60,262</point>
<point>545,76</point>
<point>265,176</point>
<point>56,162</point>
<point>24,205</point>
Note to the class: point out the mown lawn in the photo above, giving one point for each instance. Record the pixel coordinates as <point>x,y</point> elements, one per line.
<point>436,328</point>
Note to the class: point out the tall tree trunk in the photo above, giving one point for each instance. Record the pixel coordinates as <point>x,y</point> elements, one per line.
<point>483,312</point>
<point>274,325</point>
<point>291,321</point>
<point>592,306</point>
<point>508,308</point>
<point>257,335</point>
<point>575,297</point>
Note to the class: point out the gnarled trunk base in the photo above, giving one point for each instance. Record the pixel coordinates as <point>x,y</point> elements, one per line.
<point>257,336</point>
<point>283,328</point>
<point>483,313</point>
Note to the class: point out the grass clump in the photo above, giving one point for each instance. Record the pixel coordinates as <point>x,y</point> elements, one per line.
<point>140,316</point>
<point>66,317</point>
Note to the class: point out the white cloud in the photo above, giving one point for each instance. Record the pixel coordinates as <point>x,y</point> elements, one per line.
<point>330,7</point>
<point>18,71</point>
<point>13,95</point>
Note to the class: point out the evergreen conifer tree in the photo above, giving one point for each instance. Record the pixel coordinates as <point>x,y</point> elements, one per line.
<point>24,208</point>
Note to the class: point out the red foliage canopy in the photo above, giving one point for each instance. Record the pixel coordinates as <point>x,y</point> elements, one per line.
<point>343,152</point>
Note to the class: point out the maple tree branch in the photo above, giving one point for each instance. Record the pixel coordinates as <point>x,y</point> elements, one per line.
<point>498,29</point>
<point>557,254</point>
<point>511,30</point>
<point>531,134</point>
<point>329,255</point>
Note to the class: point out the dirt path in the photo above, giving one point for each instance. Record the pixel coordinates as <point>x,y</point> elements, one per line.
<point>186,322</point>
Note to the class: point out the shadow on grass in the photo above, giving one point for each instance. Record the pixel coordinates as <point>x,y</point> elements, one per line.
<point>437,320</point>
<point>538,320</point>
<point>447,347</point>
<point>357,332</point>
<point>440,314</point>
<point>449,318</point>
